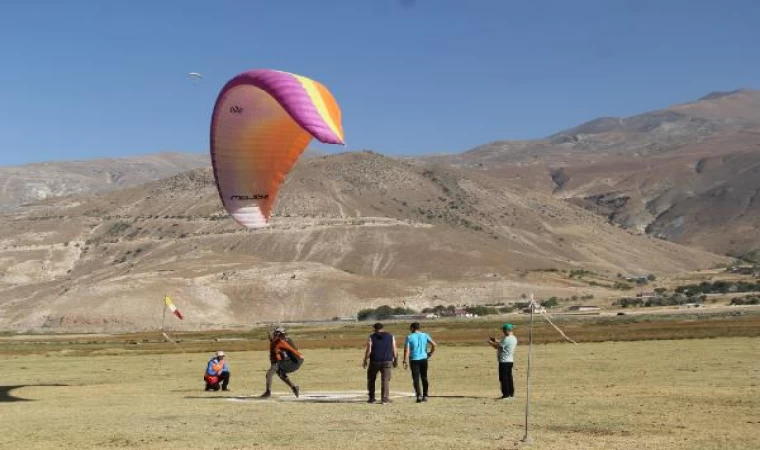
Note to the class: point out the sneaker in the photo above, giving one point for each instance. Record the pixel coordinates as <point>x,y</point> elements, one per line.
<point>386,401</point>
<point>419,399</point>
<point>424,399</point>
<point>372,400</point>
<point>296,390</point>
<point>226,389</point>
<point>266,394</point>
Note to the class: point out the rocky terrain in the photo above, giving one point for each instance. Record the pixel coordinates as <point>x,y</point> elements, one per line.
<point>350,231</point>
<point>689,173</point>
<point>33,182</point>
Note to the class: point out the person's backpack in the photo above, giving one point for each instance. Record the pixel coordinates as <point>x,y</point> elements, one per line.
<point>286,355</point>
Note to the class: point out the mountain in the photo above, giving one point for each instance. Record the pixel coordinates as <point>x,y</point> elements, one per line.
<point>33,182</point>
<point>689,173</point>
<point>349,231</point>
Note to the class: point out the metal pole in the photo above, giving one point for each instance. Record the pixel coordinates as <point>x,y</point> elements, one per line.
<point>526,438</point>
<point>163,318</point>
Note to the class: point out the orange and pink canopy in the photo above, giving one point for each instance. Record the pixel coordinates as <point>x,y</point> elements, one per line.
<point>262,122</point>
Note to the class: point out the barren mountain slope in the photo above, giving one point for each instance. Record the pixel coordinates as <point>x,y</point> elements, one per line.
<point>688,173</point>
<point>349,231</point>
<point>735,114</point>
<point>32,182</point>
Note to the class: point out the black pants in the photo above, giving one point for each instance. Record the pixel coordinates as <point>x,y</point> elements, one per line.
<point>419,372</point>
<point>282,369</point>
<point>505,378</point>
<point>224,380</point>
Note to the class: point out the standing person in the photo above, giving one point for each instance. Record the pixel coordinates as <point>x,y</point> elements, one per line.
<point>505,351</point>
<point>217,371</point>
<point>382,355</point>
<point>284,358</point>
<point>415,352</point>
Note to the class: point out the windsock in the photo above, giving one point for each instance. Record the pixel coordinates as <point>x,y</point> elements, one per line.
<point>171,306</point>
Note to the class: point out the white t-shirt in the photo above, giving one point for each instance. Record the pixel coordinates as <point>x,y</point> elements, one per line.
<point>507,348</point>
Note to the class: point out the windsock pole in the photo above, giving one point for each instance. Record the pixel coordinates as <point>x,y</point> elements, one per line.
<point>526,437</point>
<point>163,319</point>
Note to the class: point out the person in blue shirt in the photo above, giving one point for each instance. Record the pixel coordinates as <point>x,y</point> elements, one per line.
<point>217,371</point>
<point>416,355</point>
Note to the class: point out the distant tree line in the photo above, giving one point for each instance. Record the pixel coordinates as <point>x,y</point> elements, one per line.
<point>719,287</point>
<point>694,293</point>
<point>672,300</point>
<point>480,310</point>
<point>383,312</point>
<point>746,300</point>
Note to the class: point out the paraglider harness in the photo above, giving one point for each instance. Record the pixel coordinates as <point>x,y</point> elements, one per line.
<point>288,361</point>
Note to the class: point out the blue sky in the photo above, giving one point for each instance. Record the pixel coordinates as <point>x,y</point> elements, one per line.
<point>85,79</point>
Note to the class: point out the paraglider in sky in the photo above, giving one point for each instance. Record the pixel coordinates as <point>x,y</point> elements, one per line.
<point>262,122</point>
<point>195,77</point>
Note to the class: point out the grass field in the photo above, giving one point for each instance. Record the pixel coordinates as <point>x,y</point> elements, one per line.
<point>701,393</point>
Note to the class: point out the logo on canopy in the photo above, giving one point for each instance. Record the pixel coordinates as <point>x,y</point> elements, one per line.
<point>250,197</point>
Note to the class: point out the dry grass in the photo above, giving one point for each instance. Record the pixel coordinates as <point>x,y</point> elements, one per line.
<point>668,394</point>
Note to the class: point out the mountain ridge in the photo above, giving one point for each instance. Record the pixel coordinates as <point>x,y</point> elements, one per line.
<point>349,231</point>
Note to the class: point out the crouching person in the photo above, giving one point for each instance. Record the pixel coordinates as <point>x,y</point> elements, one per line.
<point>284,358</point>
<point>217,373</point>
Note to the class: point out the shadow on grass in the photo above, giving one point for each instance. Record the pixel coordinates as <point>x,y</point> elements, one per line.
<point>475,397</point>
<point>290,399</point>
<point>6,397</point>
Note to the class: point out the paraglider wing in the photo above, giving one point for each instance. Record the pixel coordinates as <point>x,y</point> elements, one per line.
<point>262,122</point>
<point>195,78</point>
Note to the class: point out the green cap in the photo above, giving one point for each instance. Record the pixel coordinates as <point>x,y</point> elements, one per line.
<point>507,326</point>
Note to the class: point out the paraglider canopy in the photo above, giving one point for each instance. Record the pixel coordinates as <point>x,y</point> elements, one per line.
<point>262,122</point>
<point>195,78</point>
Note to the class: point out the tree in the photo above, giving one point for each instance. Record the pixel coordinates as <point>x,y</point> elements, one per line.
<point>550,303</point>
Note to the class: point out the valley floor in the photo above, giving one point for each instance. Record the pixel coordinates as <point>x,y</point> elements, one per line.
<point>665,394</point>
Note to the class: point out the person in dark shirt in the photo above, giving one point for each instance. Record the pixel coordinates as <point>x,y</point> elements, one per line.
<point>380,355</point>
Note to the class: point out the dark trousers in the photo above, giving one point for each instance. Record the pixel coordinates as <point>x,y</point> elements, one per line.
<point>282,368</point>
<point>384,367</point>
<point>505,378</point>
<point>224,380</point>
<point>419,372</point>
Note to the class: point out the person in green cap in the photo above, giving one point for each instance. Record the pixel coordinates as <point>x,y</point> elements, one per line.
<point>505,351</point>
